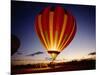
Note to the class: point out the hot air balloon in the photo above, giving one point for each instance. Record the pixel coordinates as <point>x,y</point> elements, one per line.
<point>15,44</point>
<point>56,28</point>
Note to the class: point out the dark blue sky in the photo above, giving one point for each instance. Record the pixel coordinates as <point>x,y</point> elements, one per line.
<point>22,25</point>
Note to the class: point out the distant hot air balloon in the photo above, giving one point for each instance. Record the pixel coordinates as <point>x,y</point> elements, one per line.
<point>55,28</point>
<point>15,44</point>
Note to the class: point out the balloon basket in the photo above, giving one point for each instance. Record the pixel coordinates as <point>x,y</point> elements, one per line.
<point>52,64</point>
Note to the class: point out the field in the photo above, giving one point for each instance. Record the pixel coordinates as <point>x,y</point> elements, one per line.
<point>85,64</point>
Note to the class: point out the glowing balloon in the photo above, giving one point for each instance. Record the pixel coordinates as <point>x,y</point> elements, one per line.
<point>56,28</point>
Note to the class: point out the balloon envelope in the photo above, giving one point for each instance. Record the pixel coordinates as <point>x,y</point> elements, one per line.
<point>55,27</point>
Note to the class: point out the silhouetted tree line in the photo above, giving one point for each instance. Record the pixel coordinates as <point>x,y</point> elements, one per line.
<point>83,64</point>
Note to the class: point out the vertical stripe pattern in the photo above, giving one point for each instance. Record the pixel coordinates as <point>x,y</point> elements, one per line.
<point>55,28</point>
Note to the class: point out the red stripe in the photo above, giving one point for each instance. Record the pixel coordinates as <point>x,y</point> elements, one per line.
<point>38,30</point>
<point>58,20</point>
<point>45,21</point>
<point>70,38</point>
<point>69,26</point>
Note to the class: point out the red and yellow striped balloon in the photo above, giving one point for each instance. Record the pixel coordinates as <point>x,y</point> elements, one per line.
<point>56,28</point>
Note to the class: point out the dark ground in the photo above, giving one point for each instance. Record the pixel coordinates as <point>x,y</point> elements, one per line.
<point>86,64</point>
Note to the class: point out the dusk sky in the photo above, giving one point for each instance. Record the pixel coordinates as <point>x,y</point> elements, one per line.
<point>22,25</point>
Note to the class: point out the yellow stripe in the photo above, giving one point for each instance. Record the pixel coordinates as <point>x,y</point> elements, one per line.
<point>51,28</point>
<point>62,43</point>
<point>46,36</point>
<point>56,40</point>
<point>68,37</point>
<point>41,31</point>
<point>62,31</point>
